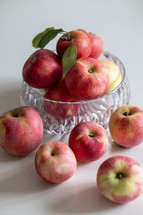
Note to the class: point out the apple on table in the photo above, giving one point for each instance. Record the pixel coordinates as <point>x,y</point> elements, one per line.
<point>120,179</point>
<point>126,125</point>
<point>21,130</point>
<point>89,141</point>
<point>55,162</point>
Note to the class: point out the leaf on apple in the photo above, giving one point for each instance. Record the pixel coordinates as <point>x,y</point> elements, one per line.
<point>43,38</point>
<point>69,58</point>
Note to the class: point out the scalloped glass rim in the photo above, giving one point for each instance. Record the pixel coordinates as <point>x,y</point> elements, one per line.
<point>99,107</point>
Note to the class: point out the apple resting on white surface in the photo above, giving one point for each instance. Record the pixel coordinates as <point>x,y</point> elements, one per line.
<point>120,179</point>
<point>89,141</point>
<point>21,130</point>
<point>126,125</point>
<point>55,162</point>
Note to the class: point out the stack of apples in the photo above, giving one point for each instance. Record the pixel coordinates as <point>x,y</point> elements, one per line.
<point>75,74</point>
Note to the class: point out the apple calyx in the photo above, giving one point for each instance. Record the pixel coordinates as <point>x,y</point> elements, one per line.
<point>121,175</point>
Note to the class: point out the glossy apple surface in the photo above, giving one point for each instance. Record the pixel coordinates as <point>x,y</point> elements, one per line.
<point>96,43</point>
<point>87,79</point>
<point>79,39</point>
<point>21,130</point>
<point>89,141</point>
<point>43,69</point>
<point>126,125</point>
<point>55,162</point>
<point>115,76</point>
<point>120,179</point>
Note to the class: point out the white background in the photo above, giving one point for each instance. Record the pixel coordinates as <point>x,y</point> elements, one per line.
<point>120,24</point>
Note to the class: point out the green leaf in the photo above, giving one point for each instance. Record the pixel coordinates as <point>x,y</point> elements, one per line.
<point>69,58</point>
<point>43,38</point>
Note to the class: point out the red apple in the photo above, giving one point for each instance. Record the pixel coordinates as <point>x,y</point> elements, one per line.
<point>79,39</point>
<point>55,162</point>
<point>120,179</point>
<point>21,130</point>
<point>96,43</point>
<point>115,76</point>
<point>63,105</point>
<point>43,69</point>
<point>87,79</point>
<point>88,141</point>
<point>126,125</point>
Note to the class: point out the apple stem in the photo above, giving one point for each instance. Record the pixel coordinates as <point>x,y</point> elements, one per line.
<point>66,38</point>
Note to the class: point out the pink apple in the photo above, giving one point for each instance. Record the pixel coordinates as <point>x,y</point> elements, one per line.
<point>63,105</point>
<point>87,79</point>
<point>96,43</point>
<point>89,141</point>
<point>21,130</point>
<point>115,76</point>
<point>43,69</point>
<point>126,125</point>
<point>120,179</point>
<point>55,162</point>
<point>79,39</point>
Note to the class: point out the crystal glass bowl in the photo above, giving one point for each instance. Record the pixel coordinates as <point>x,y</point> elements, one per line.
<point>97,110</point>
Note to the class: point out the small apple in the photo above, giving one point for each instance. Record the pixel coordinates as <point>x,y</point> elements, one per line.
<point>43,69</point>
<point>87,79</point>
<point>115,76</point>
<point>126,125</point>
<point>55,162</point>
<point>120,179</point>
<point>21,130</point>
<point>79,39</point>
<point>88,141</point>
<point>96,43</point>
<point>62,104</point>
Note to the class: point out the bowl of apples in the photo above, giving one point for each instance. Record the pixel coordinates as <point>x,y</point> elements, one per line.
<point>78,82</point>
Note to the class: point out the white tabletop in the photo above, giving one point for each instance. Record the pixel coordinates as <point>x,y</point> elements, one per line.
<point>120,24</point>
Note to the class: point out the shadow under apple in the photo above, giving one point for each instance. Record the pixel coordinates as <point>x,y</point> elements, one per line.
<point>87,200</point>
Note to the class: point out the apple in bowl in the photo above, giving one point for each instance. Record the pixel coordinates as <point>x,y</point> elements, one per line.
<point>120,179</point>
<point>115,76</point>
<point>60,103</point>
<point>79,39</point>
<point>89,141</point>
<point>21,130</point>
<point>126,125</point>
<point>87,79</point>
<point>96,43</point>
<point>55,162</point>
<point>42,69</point>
